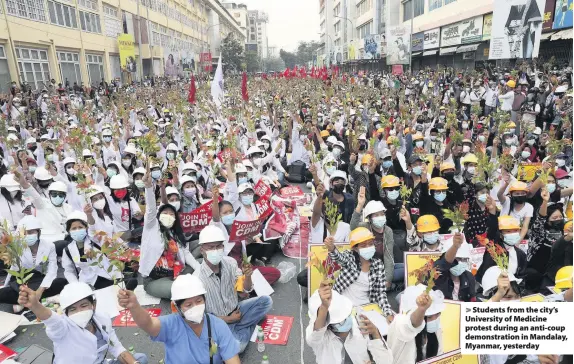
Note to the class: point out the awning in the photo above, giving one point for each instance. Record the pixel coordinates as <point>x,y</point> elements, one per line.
<point>416,54</point>
<point>430,53</point>
<point>467,48</point>
<point>449,50</point>
<point>546,36</point>
<point>563,34</point>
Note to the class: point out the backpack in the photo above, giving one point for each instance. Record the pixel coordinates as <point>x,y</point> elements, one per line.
<point>297,172</point>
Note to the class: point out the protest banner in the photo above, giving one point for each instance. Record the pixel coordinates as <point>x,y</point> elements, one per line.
<point>314,277</point>
<point>261,189</point>
<point>5,353</point>
<point>291,191</point>
<point>224,155</point>
<point>276,330</point>
<point>399,44</point>
<point>397,69</point>
<point>125,318</point>
<point>194,221</point>
<point>126,45</point>
<point>263,208</point>
<point>414,261</point>
<point>476,256</point>
<point>527,171</point>
<point>241,230</point>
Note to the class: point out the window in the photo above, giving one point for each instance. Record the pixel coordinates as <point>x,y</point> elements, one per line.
<point>69,67</point>
<point>337,10</point>
<point>364,29</point>
<point>113,26</point>
<point>364,6</point>
<point>446,2</point>
<point>4,73</point>
<point>435,4</point>
<point>110,10</point>
<point>90,22</point>
<point>252,37</point>
<point>31,9</point>
<point>33,66</point>
<point>95,65</point>
<point>62,15</point>
<point>337,27</point>
<point>418,10</point>
<point>89,4</point>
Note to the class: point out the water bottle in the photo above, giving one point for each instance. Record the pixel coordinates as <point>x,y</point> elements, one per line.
<point>265,360</point>
<point>260,343</point>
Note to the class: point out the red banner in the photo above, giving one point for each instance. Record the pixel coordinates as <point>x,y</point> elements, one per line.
<point>196,220</point>
<point>291,191</point>
<point>125,318</point>
<point>5,353</point>
<point>262,189</point>
<point>263,208</point>
<point>397,69</point>
<point>241,230</point>
<point>205,57</point>
<point>276,329</point>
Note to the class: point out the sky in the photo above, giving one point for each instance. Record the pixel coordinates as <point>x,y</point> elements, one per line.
<point>290,21</point>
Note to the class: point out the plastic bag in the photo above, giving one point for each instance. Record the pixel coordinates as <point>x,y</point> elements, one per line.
<point>288,271</point>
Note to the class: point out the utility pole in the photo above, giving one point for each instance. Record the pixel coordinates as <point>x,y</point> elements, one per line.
<point>411,41</point>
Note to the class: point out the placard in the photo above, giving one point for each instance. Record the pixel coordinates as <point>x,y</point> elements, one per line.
<point>431,39</point>
<point>194,221</point>
<point>276,330</point>
<point>263,208</point>
<point>486,26</point>
<point>313,276</point>
<point>397,69</point>
<point>416,260</point>
<point>476,257</point>
<point>527,171</point>
<point>6,352</point>
<point>454,357</point>
<point>398,43</point>
<point>125,318</point>
<point>261,189</point>
<point>241,230</point>
<point>291,191</point>
<point>471,30</point>
<point>562,14</point>
<point>450,35</point>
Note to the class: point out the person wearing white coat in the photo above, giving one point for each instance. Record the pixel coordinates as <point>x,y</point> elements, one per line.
<point>11,204</point>
<point>98,212</point>
<point>40,255</point>
<point>81,335</point>
<point>123,207</point>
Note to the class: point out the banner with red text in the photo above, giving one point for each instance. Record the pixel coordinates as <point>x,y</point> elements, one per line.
<point>241,230</point>
<point>125,318</point>
<point>194,221</point>
<point>276,330</point>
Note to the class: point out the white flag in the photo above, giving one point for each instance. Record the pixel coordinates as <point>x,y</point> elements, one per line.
<point>217,84</point>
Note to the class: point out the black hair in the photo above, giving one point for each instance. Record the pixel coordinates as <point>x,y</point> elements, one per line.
<point>175,231</point>
<point>69,224</point>
<point>432,344</point>
<point>8,196</point>
<point>515,287</point>
<point>89,298</point>
<point>225,203</point>
<point>178,303</point>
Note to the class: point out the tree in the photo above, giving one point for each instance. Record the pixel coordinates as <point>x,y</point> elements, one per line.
<point>290,59</point>
<point>274,64</point>
<point>252,61</point>
<point>306,51</point>
<point>232,52</point>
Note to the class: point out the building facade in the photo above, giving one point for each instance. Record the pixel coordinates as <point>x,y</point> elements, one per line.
<point>76,41</point>
<point>257,33</point>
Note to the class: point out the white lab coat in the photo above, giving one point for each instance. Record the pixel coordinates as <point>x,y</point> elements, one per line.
<point>401,339</point>
<point>73,344</point>
<point>88,273</point>
<point>46,262</point>
<point>53,218</point>
<point>11,212</point>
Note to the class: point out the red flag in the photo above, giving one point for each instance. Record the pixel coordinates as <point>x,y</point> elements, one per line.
<point>191,96</point>
<point>244,93</point>
<point>286,73</point>
<point>313,72</point>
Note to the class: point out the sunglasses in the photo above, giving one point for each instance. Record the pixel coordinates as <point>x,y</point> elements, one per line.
<point>58,194</point>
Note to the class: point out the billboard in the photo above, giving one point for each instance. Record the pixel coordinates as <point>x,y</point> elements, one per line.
<point>486,26</point>
<point>431,39</point>
<point>418,41</point>
<point>172,62</point>
<point>471,30</point>
<point>562,14</point>
<point>126,44</point>
<point>398,44</point>
<point>371,48</point>
<point>548,20</point>
<point>450,35</point>
<point>516,29</point>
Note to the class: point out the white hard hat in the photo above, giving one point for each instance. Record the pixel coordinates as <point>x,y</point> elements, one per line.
<point>74,292</point>
<point>363,137</point>
<point>131,148</point>
<point>183,180</point>
<point>172,146</point>
<point>95,190</point>
<point>30,140</point>
<point>186,286</point>
<point>86,153</point>
<point>253,150</point>
<point>29,222</point>
<point>373,207</point>
<point>118,181</point>
<point>240,168</point>
<point>211,234</point>
<point>69,160</point>
<point>139,170</point>
<point>58,186</point>
<point>77,215</point>
<point>339,144</point>
<point>266,137</point>
<point>339,309</point>
<point>42,174</point>
<point>169,190</point>
<point>331,139</point>
<point>7,181</point>
<point>189,166</point>
<point>490,279</point>
<point>409,299</point>
<point>107,132</point>
<point>462,252</point>
<point>247,163</point>
<point>338,174</point>
<point>244,187</point>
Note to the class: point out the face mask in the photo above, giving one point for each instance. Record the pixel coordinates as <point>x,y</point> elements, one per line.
<point>367,253</point>
<point>139,183</point>
<point>121,193</point>
<point>459,269</point>
<point>31,239</point>
<point>190,192</point>
<point>551,187</point>
<point>511,239</point>
<point>379,221</point>
<point>431,238</point>
<point>336,152</point>
<point>518,199</point>
<point>344,326</point>
<point>365,168</point>
<point>464,125</point>
<point>32,169</point>
<point>509,141</point>
<point>156,174</point>
<point>393,195</point>
<point>565,183</point>
<point>419,143</point>
<point>560,162</point>
<point>82,318</point>
<point>176,205</point>
<point>482,198</point>
<point>417,170</point>
<point>387,164</point>
<point>441,117</point>
<point>107,139</point>
<point>302,138</point>
<point>195,314</point>
<point>471,170</point>
<point>228,219</point>
<point>465,149</point>
<point>531,142</point>
<point>433,326</point>
<point>440,196</point>
<point>338,189</point>
<point>170,156</point>
<point>126,162</point>
<point>433,138</point>
<point>556,225</point>
<point>525,154</point>
<point>57,200</point>
<point>214,256</point>
<point>247,199</point>
<point>250,174</point>
<point>100,204</point>
<point>481,138</point>
<point>79,235</point>
<point>242,180</point>
<point>167,220</point>
<point>330,170</point>
<point>71,171</point>
<point>256,162</point>
<point>111,172</point>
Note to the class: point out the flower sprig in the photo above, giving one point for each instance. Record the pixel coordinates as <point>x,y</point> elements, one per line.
<point>328,268</point>
<point>458,216</point>
<point>427,275</point>
<point>12,248</point>
<point>496,251</point>
<point>332,216</point>
<point>405,193</point>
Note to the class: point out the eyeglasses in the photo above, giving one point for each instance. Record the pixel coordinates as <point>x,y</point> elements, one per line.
<point>58,194</point>
<point>390,189</point>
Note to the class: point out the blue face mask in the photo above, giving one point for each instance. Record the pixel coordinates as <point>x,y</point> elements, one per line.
<point>431,238</point>
<point>57,200</point>
<point>512,239</point>
<point>330,170</point>
<point>393,195</point>
<point>458,269</point>
<point>418,170</point>
<point>551,187</point>
<point>156,174</point>
<point>31,239</point>
<point>379,221</point>
<point>228,219</point>
<point>111,172</point>
<point>247,199</point>
<point>79,235</point>
<point>242,180</point>
<point>440,196</point>
<point>482,198</point>
<point>344,326</point>
<point>387,164</point>
<point>367,253</point>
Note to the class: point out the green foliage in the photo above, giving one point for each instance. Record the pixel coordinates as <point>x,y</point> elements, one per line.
<point>232,52</point>
<point>252,61</point>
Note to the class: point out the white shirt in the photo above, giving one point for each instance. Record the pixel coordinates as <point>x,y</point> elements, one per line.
<point>401,338</point>
<point>87,273</point>
<point>526,211</point>
<point>507,100</point>
<point>491,97</point>
<point>45,262</point>
<point>358,291</point>
<point>298,151</point>
<point>341,235</point>
<point>53,218</point>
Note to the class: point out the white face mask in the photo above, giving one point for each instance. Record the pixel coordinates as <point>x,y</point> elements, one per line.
<point>126,162</point>
<point>71,171</point>
<point>433,326</point>
<point>471,170</point>
<point>166,220</point>
<point>465,149</point>
<point>419,143</point>
<point>465,125</point>
<point>256,162</point>
<point>100,204</point>
<point>195,314</point>
<point>176,205</point>
<point>82,318</point>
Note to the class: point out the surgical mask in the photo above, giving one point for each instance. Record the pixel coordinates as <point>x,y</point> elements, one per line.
<point>464,125</point>
<point>431,238</point>
<point>214,256</point>
<point>551,187</point>
<point>509,141</point>
<point>338,189</point>
<point>482,198</point>
<point>511,239</point>
<point>336,152</point>
<point>525,154</point>
<point>121,193</point>
<point>418,170</point>
<point>257,162</point>
<point>531,142</point>
<point>32,169</point>
<point>156,174</point>
<point>367,253</point>
<point>393,195</point>
<point>71,171</point>
<point>518,199</point>
<point>250,174</point>
<point>79,235</point>
<point>139,183</point>
<point>330,170</point>
<point>247,199</point>
<point>440,196</point>
<point>560,162</point>
<point>565,183</point>
<point>387,164</point>
<point>107,139</point>
<point>481,138</point>
<point>100,204</point>
<point>471,170</point>
<point>433,326</point>
<point>419,143</point>
<point>433,138</point>
<point>465,148</point>
<point>126,162</point>
<point>111,172</point>
<point>242,180</point>
<point>31,239</point>
<point>167,220</point>
<point>365,168</point>
<point>190,192</point>
<point>82,318</point>
<point>195,314</point>
<point>57,200</point>
<point>228,219</point>
<point>379,221</point>
<point>458,269</point>
<point>344,326</point>
<point>441,117</point>
<point>170,156</point>
<point>176,205</point>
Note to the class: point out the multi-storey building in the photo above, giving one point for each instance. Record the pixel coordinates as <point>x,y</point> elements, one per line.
<point>257,32</point>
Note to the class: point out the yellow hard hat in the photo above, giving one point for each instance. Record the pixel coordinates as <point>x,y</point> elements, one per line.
<point>438,183</point>
<point>467,141</point>
<point>507,222</point>
<point>427,223</point>
<point>360,235</point>
<point>418,137</point>
<point>390,139</point>
<point>469,158</point>
<point>511,84</point>
<point>324,133</point>
<point>512,124</point>
<point>366,159</point>
<point>518,186</point>
<point>407,130</point>
<point>563,278</point>
<point>390,181</point>
<point>442,108</point>
<point>447,165</point>
<point>380,130</point>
